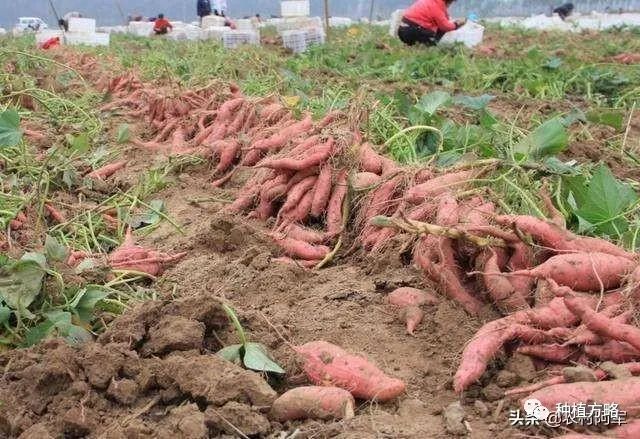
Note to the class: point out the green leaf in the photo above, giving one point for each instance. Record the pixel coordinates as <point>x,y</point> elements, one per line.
<point>151,217</point>
<point>614,119</point>
<point>124,134</point>
<point>54,250</point>
<point>430,103</point>
<point>256,358</point>
<point>38,258</point>
<point>427,144</point>
<point>38,333</point>
<point>231,353</point>
<point>70,178</point>
<point>598,202</point>
<point>473,102</point>
<point>88,299</point>
<point>79,143</point>
<point>76,335</point>
<point>5,314</point>
<point>87,264</point>
<point>553,63</point>
<point>20,283</point>
<point>487,120</point>
<point>10,133</point>
<point>549,138</point>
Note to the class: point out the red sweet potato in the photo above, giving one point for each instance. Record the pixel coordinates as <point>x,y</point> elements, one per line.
<point>300,212</point>
<point>550,352</point>
<point>583,271</point>
<point>228,153</point>
<point>625,393</point>
<point>370,161</point>
<point>601,324</point>
<point>313,402</point>
<point>280,139</point>
<point>328,364</point>
<point>107,170</point>
<point>612,350</point>
<point>321,191</point>
<point>54,214</point>
<point>501,290</point>
<point>334,208</point>
<point>364,180</point>
<point>317,155</point>
<point>305,234</point>
<point>438,185</point>
<point>297,262</point>
<point>297,192</point>
<point>301,249</point>
<point>407,296</point>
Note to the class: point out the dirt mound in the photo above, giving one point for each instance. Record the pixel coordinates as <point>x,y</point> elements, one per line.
<point>151,374</point>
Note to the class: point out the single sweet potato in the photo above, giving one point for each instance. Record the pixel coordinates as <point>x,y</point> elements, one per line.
<point>301,249</point>
<point>328,364</point>
<point>313,402</point>
<point>321,191</point>
<point>362,181</point>
<point>612,350</point>
<point>407,296</point>
<point>334,208</point>
<point>438,185</point>
<point>550,352</point>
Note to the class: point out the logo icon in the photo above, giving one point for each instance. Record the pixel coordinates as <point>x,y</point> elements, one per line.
<point>534,409</point>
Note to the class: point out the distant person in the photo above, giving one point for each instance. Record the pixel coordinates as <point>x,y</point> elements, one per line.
<point>204,9</point>
<point>564,11</point>
<point>220,6</point>
<point>426,21</point>
<point>161,25</point>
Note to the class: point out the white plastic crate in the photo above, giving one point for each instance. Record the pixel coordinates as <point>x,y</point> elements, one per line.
<point>214,33</point>
<point>245,24</point>
<point>212,21</point>
<point>185,32</point>
<point>82,25</point>
<point>235,38</point>
<point>83,38</point>
<point>141,28</point>
<point>470,35</point>
<point>314,35</point>
<point>297,8</point>
<point>295,40</point>
<point>296,23</point>
<point>340,21</point>
<point>47,34</point>
<point>3,31</point>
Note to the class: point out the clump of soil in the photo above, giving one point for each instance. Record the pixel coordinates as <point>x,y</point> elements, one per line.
<point>152,374</point>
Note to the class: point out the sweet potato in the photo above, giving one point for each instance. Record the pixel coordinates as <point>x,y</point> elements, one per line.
<point>625,393</point>
<point>301,249</point>
<point>334,218</point>
<point>317,155</point>
<point>438,185</point>
<point>297,192</point>
<point>435,257</point>
<point>412,316</point>
<point>584,336</point>
<point>228,153</point>
<point>550,352</point>
<point>370,161</point>
<point>300,233</point>
<point>329,118</point>
<point>311,263</point>
<point>554,314</point>
<point>487,343</point>
<point>612,350</point>
<point>630,430</point>
<point>321,191</point>
<point>583,271</point>
<point>54,214</point>
<point>313,402</point>
<point>300,212</point>
<point>364,180</point>
<point>278,140</point>
<point>328,364</point>
<point>603,325</point>
<point>130,256</point>
<point>501,290</point>
<point>407,296</point>
<point>107,170</point>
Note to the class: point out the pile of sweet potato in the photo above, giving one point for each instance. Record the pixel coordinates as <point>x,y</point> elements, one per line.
<point>564,298</point>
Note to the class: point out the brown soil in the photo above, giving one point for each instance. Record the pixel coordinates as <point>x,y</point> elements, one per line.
<point>153,373</point>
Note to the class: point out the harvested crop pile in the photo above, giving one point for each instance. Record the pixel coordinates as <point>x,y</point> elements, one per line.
<point>316,184</point>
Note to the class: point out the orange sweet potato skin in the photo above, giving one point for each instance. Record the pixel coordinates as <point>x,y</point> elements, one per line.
<point>408,296</point>
<point>328,364</point>
<point>315,402</point>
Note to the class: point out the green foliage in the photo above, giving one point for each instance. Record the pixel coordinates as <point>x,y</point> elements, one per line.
<point>599,202</point>
<point>547,139</point>
<point>10,133</point>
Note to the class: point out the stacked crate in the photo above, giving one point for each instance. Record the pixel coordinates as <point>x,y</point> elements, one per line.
<point>235,38</point>
<point>297,8</point>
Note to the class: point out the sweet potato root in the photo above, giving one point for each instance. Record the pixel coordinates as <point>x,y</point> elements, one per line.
<point>501,290</point>
<point>328,364</point>
<point>625,393</point>
<point>321,191</point>
<point>364,180</point>
<point>313,402</point>
<point>107,170</point>
<point>583,271</point>
<point>301,249</point>
<point>407,296</point>
<point>54,214</point>
<point>438,185</point>
<point>550,352</point>
<point>412,316</point>
<point>612,350</point>
<point>305,234</point>
<point>334,208</point>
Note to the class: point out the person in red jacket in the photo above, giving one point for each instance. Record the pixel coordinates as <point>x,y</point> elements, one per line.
<point>161,25</point>
<point>426,21</point>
